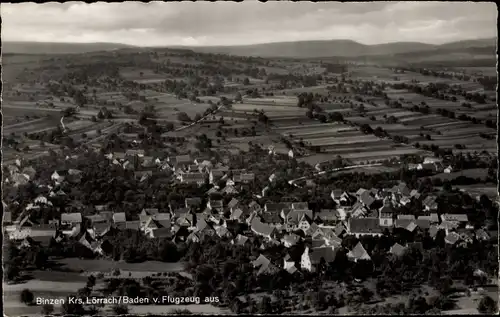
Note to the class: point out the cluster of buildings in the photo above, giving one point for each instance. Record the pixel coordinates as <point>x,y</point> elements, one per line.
<point>367,212</point>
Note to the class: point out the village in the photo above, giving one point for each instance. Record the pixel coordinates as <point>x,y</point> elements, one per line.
<point>217,211</point>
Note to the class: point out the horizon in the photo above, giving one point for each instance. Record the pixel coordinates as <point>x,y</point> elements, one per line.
<point>264,43</point>
<point>203,24</point>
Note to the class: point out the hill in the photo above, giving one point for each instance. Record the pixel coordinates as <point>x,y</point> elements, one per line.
<point>340,48</point>
<point>58,48</point>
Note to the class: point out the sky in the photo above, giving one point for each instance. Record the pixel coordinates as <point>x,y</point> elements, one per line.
<point>248,22</point>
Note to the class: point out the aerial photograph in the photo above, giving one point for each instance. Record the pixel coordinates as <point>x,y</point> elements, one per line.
<point>227,158</point>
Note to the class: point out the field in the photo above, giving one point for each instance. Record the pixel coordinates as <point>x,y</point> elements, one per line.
<point>59,284</point>
<point>472,173</point>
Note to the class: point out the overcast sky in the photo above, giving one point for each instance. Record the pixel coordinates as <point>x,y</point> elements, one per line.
<point>229,23</point>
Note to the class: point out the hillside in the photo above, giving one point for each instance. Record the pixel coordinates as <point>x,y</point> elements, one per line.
<point>340,48</point>
<point>58,48</point>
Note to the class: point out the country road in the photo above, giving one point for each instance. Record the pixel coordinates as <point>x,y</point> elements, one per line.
<point>292,182</point>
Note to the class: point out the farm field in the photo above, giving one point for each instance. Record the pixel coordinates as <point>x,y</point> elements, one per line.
<point>473,173</point>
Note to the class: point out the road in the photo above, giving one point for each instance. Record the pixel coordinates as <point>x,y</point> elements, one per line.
<point>292,182</point>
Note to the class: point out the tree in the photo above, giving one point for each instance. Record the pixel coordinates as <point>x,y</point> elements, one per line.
<point>238,97</point>
<point>246,81</point>
<point>120,309</point>
<point>265,306</point>
<point>27,297</point>
<point>12,272</point>
<point>336,116</point>
<point>487,305</point>
<point>100,115</point>
<point>47,309</point>
<point>91,281</point>
<point>69,308</point>
<point>182,116</point>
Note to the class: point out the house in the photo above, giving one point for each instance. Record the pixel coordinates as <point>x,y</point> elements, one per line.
<point>433,230</point>
<point>193,202</point>
<point>193,168</point>
<point>233,204</point>
<point>127,165</point>
<point>193,178</point>
<point>300,206</point>
<point>327,217</point>
<point>358,253</point>
<point>97,219</point>
<point>133,225</point>
<point>298,219</point>
<point>164,233</point>
<point>149,211</point>
<point>238,214</point>
<point>423,223</point>
<point>430,160</point>
<point>311,259</point>
<point>342,198</point>
<point>397,249</point>
<point>460,219</point>
<point>30,171</point>
<point>59,176</point>
<point>240,240</point>
<point>448,169</point>
<point>364,226</point>
<point>135,152</point>
<point>7,216</point>
<point>223,232</point>
<point>289,264</point>
<point>358,210</point>
<point>452,238</point>
<point>262,229</point>
<point>367,199</point>
<point>448,226</point>
<point>276,206</point>
<point>272,178</point>
<point>407,217</point>
<point>430,203</point>
<point>386,215</point>
<point>229,190</point>
<point>181,160</point>
<point>433,167</point>
<point>313,230</point>
<point>120,156</point>
<point>434,218</point>
<point>215,205</point>
<point>290,240</point>
<point>71,218</point>
<point>213,190</point>
<point>263,265</point>
<point>19,179</point>
<point>142,176</point>
<point>481,234</point>
<point>271,218</point>
<point>415,194</point>
<point>119,218</point>
<point>359,192</point>
<point>184,219</point>
<point>406,224</point>
<point>254,206</point>
<point>203,227</point>
<point>412,166</point>
<point>148,162</point>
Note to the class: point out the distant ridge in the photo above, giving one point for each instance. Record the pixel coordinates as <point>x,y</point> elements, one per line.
<point>299,49</point>
<point>58,48</point>
<point>341,48</point>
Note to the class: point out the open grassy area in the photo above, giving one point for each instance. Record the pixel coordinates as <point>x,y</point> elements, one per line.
<point>107,265</point>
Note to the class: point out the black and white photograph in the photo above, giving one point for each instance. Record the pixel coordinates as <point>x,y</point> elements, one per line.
<point>269,158</point>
